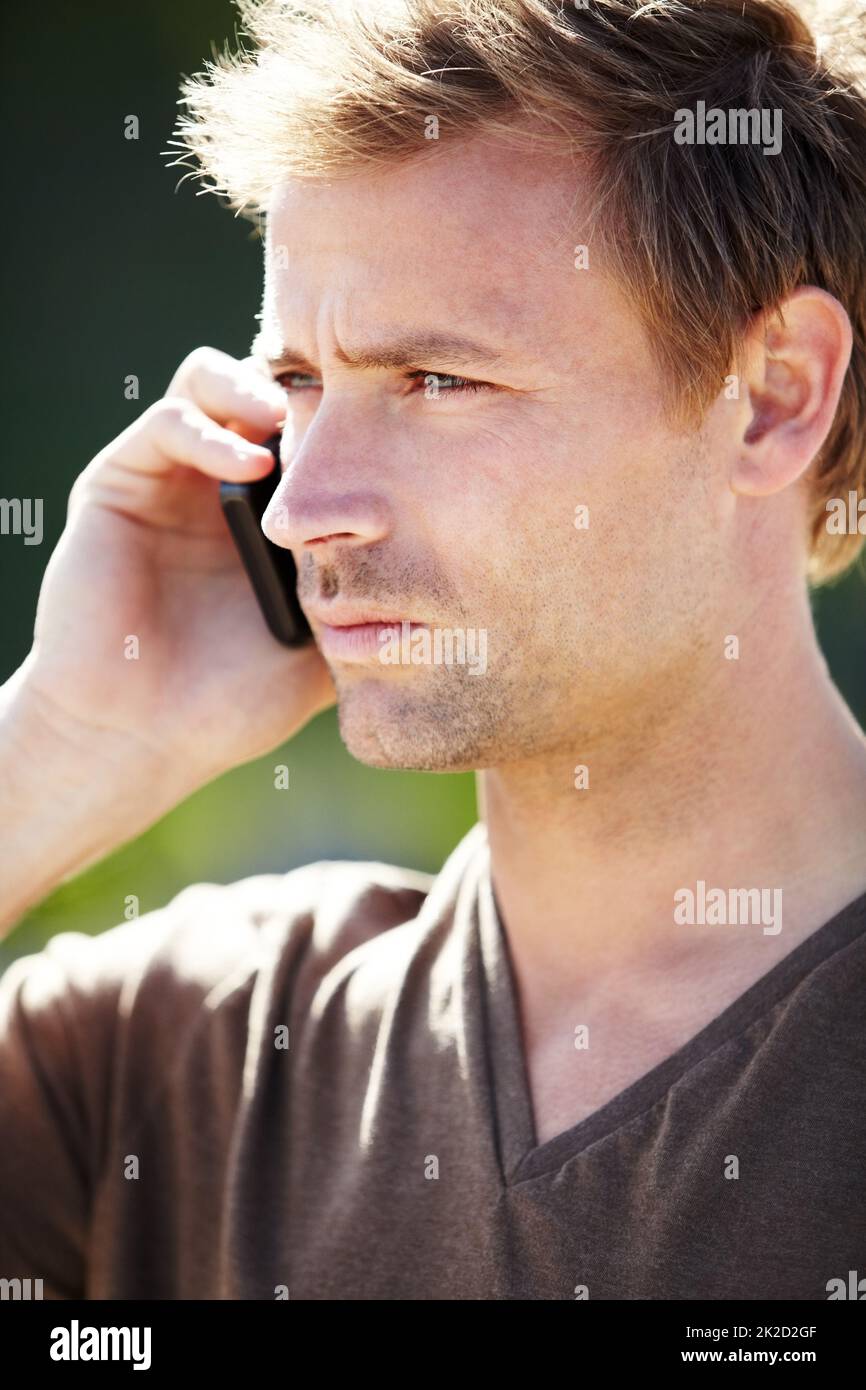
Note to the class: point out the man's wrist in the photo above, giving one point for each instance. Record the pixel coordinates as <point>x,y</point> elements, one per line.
<point>72,792</point>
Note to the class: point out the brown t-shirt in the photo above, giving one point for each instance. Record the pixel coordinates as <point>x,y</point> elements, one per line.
<point>162,1134</point>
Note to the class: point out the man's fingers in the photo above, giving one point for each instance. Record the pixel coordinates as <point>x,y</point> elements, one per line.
<point>226,389</point>
<point>174,431</point>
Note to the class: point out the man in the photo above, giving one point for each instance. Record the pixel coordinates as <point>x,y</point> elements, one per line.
<point>556,378</point>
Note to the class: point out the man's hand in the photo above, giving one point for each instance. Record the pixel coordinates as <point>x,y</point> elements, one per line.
<point>146,554</point>
<point>152,666</point>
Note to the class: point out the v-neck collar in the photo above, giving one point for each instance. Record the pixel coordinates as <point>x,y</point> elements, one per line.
<point>522,1157</point>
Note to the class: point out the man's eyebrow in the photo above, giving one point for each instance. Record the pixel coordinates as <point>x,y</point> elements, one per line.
<point>410,348</point>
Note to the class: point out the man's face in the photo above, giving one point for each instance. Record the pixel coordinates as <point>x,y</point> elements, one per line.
<point>404,495</point>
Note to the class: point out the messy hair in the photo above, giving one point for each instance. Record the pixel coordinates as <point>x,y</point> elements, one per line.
<point>704,241</point>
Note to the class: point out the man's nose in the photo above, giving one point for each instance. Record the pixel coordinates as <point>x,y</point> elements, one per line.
<point>329,491</point>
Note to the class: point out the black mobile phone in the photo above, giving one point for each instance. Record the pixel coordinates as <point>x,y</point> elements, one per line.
<point>271,568</point>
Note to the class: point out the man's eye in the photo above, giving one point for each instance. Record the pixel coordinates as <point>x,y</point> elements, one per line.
<point>433,382</point>
<point>294,381</point>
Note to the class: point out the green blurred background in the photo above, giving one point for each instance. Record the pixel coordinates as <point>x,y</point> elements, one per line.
<point>111,269</point>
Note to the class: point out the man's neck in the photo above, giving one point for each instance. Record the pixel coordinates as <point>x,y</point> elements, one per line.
<point>757,781</point>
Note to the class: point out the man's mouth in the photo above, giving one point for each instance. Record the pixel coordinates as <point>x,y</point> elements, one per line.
<point>355,634</point>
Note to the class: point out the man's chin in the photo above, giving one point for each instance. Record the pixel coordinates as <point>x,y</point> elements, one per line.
<point>384,726</point>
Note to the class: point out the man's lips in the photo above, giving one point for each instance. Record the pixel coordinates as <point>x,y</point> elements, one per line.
<point>354,634</point>
<point>337,615</point>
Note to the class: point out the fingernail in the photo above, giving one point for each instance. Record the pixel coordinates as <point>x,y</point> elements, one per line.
<point>251,453</point>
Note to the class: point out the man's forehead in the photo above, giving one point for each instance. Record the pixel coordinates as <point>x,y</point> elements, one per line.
<point>451,261</point>
<point>410,309</point>
<point>484,222</point>
<point>488,320</point>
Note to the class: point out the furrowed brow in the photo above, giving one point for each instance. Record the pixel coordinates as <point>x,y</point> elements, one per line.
<point>414,349</point>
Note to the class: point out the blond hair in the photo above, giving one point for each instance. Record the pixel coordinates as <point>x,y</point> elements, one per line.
<point>702,240</point>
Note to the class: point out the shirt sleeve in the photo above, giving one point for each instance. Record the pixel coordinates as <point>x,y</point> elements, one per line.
<point>53,1074</point>
<point>79,1019</point>
<point>95,1028</point>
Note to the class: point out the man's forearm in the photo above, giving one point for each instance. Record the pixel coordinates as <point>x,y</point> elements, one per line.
<point>68,796</point>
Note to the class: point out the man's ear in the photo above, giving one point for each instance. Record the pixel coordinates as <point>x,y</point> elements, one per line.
<point>796,366</point>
